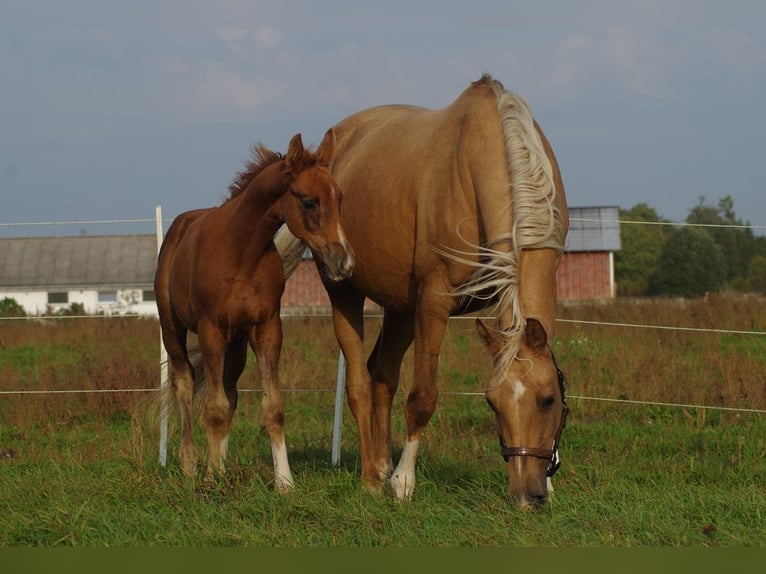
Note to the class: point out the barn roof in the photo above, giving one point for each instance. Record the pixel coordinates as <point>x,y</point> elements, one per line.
<point>78,261</point>
<point>593,229</point>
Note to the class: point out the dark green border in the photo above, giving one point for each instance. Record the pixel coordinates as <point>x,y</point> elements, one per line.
<point>384,561</point>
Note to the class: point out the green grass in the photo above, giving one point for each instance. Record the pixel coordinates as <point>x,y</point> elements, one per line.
<point>628,479</point>
<point>83,471</point>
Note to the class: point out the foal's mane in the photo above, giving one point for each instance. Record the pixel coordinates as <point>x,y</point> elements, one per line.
<point>261,157</point>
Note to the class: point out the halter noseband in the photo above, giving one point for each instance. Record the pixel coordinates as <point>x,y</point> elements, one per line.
<point>551,454</point>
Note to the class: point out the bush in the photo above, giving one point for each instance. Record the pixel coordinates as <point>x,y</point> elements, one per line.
<point>9,307</point>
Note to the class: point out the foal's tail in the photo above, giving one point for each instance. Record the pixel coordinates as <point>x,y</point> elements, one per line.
<point>164,402</point>
<point>290,249</point>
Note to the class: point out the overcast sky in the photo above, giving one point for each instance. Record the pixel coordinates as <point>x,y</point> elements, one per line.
<point>109,108</point>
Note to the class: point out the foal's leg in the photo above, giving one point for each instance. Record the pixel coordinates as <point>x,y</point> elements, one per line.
<point>234,363</point>
<point>385,364</point>
<point>266,340</point>
<point>348,319</point>
<point>217,411</point>
<point>432,315</point>
<point>181,374</point>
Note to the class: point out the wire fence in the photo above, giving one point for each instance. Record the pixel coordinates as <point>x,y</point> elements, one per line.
<point>583,322</point>
<point>445,393</point>
<point>578,219</point>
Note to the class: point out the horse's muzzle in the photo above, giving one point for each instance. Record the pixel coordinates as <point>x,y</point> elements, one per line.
<point>529,503</point>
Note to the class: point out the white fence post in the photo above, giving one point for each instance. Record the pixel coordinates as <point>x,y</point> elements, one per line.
<point>338,419</point>
<point>163,364</point>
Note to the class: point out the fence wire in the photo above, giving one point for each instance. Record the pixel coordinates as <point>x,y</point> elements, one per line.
<point>444,393</point>
<point>575,321</point>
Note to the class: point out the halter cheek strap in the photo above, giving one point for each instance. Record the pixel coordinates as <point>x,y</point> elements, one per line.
<point>551,454</point>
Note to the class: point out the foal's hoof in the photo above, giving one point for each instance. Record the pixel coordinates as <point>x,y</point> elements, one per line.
<point>283,484</point>
<point>188,460</point>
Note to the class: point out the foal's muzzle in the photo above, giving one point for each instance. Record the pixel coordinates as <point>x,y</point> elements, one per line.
<point>339,262</point>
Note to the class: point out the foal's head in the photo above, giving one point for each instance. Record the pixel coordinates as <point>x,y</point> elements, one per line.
<point>526,394</point>
<point>311,207</point>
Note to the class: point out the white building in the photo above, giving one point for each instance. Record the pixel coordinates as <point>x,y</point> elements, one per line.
<point>111,274</point>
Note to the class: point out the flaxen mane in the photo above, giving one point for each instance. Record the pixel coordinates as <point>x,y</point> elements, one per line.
<point>537,222</point>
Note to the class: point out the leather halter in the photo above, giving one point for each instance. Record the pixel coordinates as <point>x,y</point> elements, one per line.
<point>551,454</point>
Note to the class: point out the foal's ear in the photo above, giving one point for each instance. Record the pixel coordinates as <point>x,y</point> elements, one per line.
<point>326,148</point>
<point>535,335</point>
<point>490,337</point>
<point>295,151</point>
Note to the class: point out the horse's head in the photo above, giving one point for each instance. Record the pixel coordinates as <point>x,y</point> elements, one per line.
<point>527,395</point>
<point>311,207</point>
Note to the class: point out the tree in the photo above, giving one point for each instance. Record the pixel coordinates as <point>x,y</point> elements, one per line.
<point>756,274</point>
<point>689,265</point>
<point>737,245</point>
<point>640,249</point>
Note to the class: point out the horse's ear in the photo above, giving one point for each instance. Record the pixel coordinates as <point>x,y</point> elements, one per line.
<point>490,337</point>
<point>295,152</point>
<point>326,148</point>
<point>535,336</point>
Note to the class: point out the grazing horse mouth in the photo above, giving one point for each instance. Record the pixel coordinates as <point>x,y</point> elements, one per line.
<point>530,503</point>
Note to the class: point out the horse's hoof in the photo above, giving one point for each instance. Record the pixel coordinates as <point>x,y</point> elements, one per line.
<point>403,486</point>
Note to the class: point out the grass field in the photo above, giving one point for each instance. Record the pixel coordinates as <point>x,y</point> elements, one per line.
<point>82,470</point>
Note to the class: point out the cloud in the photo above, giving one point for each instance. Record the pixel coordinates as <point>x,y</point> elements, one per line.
<point>740,52</point>
<point>639,60</point>
<point>635,62</point>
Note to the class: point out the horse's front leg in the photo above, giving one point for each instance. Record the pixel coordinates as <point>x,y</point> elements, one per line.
<point>348,321</point>
<point>430,326</point>
<point>266,341</point>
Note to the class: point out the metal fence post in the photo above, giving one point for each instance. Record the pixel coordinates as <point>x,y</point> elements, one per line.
<point>163,363</point>
<point>338,418</point>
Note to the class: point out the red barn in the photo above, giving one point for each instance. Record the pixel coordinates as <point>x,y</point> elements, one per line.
<point>587,268</point>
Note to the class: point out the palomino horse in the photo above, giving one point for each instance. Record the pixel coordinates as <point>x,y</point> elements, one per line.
<point>450,211</point>
<point>219,275</point>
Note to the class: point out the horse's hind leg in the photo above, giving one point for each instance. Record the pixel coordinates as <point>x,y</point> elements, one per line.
<point>217,410</point>
<point>384,366</point>
<point>181,374</point>
<point>234,364</point>
<point>266,341</point>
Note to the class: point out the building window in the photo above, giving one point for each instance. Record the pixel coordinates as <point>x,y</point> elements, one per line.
<point>56,297</point>
<point>149,295</point>
<point>107,296</point>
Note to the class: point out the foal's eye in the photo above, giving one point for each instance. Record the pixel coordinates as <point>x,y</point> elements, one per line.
<point>546,403</point>
<point>309,204</point>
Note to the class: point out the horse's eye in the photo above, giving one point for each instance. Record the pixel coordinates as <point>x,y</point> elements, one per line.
<point>309,204</point>
<point>546,403</point>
